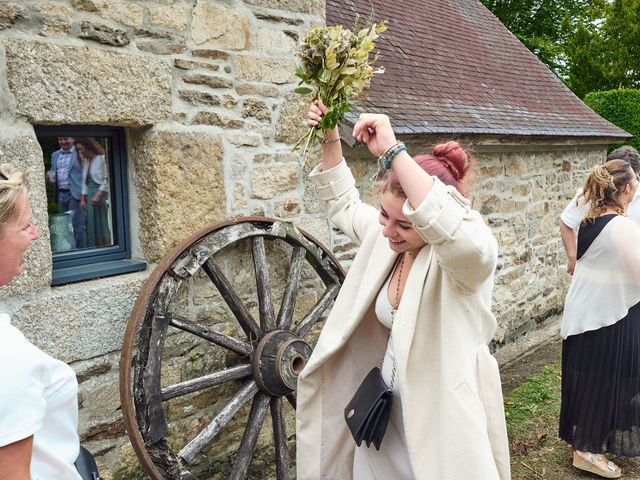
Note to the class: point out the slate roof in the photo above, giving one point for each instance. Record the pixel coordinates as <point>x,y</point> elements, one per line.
<point>452,67</point>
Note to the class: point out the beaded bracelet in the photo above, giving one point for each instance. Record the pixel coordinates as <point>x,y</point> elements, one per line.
<point>331,140</point>
<point>387,157</point>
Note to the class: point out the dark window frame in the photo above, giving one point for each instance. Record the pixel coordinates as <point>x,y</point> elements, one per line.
<point>91,263</point>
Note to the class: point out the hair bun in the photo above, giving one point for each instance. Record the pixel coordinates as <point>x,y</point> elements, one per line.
<point>453,156</point>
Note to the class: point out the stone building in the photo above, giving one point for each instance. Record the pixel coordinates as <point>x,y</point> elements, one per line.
<point>192,101</point>
<point>454,71</point>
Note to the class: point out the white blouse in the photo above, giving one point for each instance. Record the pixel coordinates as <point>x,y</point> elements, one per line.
<point>606,281</point>
<point>96,169</point>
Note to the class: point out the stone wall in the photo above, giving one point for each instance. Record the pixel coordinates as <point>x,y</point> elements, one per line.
<point>204,91</point>
<point>520,187</point>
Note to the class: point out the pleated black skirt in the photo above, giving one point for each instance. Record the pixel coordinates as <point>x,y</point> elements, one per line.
<point>600,411</point>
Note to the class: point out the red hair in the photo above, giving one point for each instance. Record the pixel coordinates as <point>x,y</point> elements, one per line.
<point>448,161</point>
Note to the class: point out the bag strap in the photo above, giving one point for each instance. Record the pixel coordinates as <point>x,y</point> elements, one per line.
<point>393,370</point>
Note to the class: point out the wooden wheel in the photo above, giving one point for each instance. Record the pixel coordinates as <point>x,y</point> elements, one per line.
<point>246,367</point>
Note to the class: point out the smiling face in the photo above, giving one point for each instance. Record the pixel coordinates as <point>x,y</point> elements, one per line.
<point>15,237</point>
<point>65,143</point>
<point>397,228</point>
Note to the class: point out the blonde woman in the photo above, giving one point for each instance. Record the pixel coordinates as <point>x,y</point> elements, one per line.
<point>38,394</point>
<point>600,412</point>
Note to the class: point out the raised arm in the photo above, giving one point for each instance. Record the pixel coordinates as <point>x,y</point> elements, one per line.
<point>331,147</point>
<point>375,130</point>
<point>464,245</point>
<point>336,186</point>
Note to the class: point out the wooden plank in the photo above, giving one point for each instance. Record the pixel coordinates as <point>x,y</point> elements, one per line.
<point>220,339</point>
<point>189,263</point>
<point>195,446</point>
<point>206,381</point>
<point>246,321</point>
<point>265,301</point>
<point>146,389</point>
<point>324,265</point>
<point>280,439</point>
<point>288,304</point>
<point>250,437</point>
<point>314,314</point>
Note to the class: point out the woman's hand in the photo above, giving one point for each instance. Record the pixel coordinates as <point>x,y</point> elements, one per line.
<point>314,117</point>
<point>374,130</point>
<point>95,200</point>
<point>316,112</point>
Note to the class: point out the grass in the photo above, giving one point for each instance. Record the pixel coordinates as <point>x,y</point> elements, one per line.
<point>537,398</point>
<point>532,412</point>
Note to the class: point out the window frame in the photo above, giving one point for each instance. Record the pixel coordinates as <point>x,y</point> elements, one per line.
<point>90,263</point>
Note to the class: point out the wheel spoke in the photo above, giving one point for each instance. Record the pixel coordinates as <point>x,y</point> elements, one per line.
<point>280,439</point>
<point>317,310</point>
<point>250,438</point>
<point>220,339</point>
<point>291,398</point>
<point>206,381</point>
<point>285,315</point>
<point>267,317</point>
<point>246,321</point>
<point>195,446</point>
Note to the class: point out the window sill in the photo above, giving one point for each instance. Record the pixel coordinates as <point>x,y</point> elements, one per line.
<point>95,271</point>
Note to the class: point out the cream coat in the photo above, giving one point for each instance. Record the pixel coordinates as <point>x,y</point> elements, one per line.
<point>449,382</point>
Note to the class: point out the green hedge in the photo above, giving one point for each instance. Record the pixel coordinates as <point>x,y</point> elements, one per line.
<point>621,107</point>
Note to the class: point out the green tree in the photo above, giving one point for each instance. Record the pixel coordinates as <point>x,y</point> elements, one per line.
<point>543,26</point>
<point>605,55</point>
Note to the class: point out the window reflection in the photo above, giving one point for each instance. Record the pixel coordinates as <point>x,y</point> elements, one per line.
<point>78,192</point>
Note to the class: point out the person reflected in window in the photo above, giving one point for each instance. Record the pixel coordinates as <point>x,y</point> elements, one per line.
<point>66,173</point>
<point>95,191</point>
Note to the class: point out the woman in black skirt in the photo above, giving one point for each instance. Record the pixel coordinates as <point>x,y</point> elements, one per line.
<point>600,412</point>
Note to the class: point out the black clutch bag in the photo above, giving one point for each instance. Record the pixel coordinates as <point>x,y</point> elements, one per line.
<point>86,465</point>
<point>368,412</point>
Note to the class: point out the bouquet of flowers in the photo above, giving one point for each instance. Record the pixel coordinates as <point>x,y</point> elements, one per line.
<point>336,68</point>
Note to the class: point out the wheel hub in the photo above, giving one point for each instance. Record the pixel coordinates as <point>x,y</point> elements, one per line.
<point>278,360</point>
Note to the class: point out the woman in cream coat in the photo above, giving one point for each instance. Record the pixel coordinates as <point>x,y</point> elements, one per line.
<point>447,387</point>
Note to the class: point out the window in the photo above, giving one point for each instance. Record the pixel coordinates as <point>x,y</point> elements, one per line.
<point>87,196</point>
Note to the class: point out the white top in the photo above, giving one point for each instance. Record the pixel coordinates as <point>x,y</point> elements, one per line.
<point>576,210</point>
<point>606,281</point>
<point>392,460</point>
<point>38,397</point>
<point>96,169</point>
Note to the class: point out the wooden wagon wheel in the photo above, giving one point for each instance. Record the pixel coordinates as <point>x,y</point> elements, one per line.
<point>267,355</point>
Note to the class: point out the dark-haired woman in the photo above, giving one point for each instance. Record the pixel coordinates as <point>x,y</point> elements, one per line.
<point>95,191</point>
<point>417,297</point>
<point>600,410</point>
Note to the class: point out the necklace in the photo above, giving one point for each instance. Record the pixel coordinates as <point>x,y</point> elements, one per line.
<point>395,307</point>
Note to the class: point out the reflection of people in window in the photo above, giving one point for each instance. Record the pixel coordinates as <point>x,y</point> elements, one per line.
<point>66,172</point>
<point>95,191</point>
